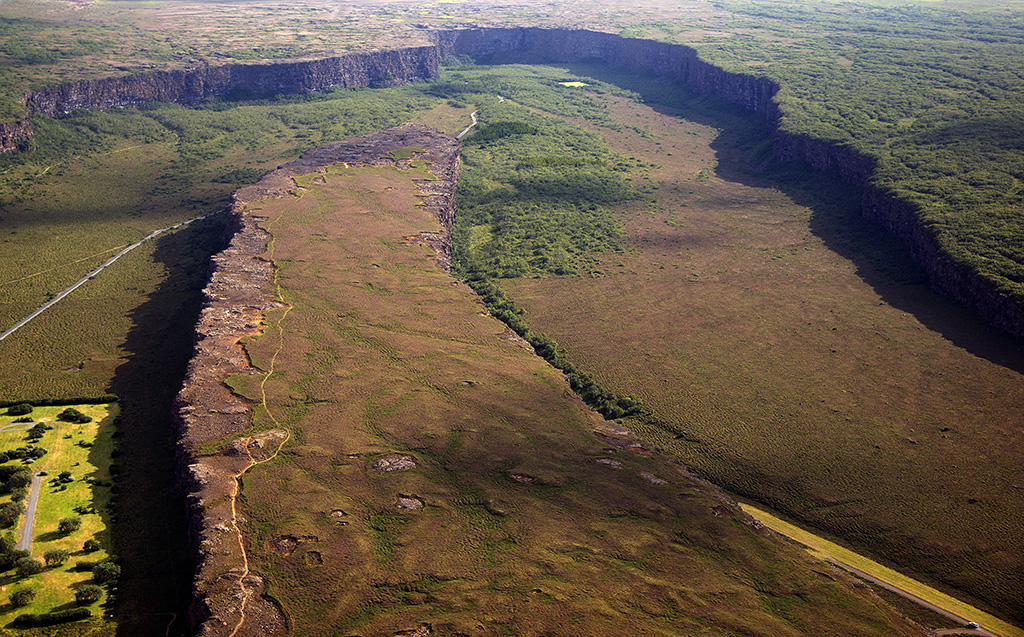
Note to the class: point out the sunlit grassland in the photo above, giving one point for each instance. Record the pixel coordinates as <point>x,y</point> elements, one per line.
<point>84,450</point>
<point>521,530</point>
<point>792,353</point>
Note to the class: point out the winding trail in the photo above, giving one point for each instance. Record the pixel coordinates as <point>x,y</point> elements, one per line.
<point>244,593</point>
<point>473,117</point>
<point>95,272</point>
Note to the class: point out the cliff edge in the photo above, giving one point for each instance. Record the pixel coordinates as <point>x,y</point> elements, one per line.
<point>227,597</point>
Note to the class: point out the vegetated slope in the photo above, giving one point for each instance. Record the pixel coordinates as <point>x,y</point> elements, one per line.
<point>787,350</point>
<point>419,469</point>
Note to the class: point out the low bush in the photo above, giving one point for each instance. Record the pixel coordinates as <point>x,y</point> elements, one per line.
<point>31,620</point>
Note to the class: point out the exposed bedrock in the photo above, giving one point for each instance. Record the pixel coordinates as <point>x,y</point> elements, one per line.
<point>190,87</point>
<point>211,449</point>
<point>15,135</point>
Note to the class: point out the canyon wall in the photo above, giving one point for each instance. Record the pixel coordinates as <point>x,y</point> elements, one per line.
<point>191,87</point>
<point>536,45</point>
<point>14,135</point>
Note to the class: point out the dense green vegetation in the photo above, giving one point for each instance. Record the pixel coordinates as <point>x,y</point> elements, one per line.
<point>536,192</point>
<point>935,95</point>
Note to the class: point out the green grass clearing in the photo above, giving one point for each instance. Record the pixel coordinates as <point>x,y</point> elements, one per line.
<point>85,451</point>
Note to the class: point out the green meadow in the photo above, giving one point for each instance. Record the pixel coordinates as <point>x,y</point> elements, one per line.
<point>77,484</point>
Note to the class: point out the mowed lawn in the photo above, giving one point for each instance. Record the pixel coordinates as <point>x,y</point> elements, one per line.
<point>509,515</point>
<point>84,450</point>
<point>792,354</point>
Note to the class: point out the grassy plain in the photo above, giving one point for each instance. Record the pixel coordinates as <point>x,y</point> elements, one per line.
<point>792,354</point>
<point>516,518</point>
<point>85,451</point>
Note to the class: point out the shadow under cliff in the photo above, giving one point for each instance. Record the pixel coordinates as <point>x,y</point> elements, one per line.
<point>883,261</point>
<point>150,525</point>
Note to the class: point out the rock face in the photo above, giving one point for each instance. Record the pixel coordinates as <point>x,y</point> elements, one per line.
<point>226,595</point>
<point>14,135</point>
<point>190,87</point>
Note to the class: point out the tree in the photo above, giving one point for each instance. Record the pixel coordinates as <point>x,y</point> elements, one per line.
<point>106,571</point>
<point>26,566</point>
<point>88,594</point>
<point>10,512</point>
<point>22,596</point>
<point>19,410</point>
<point>21,478</point>
<point>56,557</point>
<point>69,525</point>
<point>90,546</point>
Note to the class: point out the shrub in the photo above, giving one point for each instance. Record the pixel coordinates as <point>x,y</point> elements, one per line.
<point>20,478</point>
<point>27,566</point>
<point>56,557</point>
<point>22,596</point>
<point>90,546</point>
<point>106,571</point>
<point>69,525</point>
<point>50,619</point>
<point>88,594</point>
<point>73,415</point>
<point>10,512</point>
<point>19,410</point>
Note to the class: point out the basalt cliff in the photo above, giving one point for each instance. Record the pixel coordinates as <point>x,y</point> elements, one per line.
<point>537,45</point>
<point>191,87</point>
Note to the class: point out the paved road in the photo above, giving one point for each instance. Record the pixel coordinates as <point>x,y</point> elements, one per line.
<point>107,264</point>
<point>918,600</point>
<point>25,539</point>
<point>473,116</point>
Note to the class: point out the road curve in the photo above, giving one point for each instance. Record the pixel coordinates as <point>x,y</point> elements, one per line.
<point>105,265</point>
<point>473,117</point>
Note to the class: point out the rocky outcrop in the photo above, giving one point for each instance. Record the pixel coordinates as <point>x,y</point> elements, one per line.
<point>191,87</point>
<point>227,597</point>
<point>15,135</point>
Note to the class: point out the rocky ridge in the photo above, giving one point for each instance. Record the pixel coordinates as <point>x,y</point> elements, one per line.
<point>225,594</point>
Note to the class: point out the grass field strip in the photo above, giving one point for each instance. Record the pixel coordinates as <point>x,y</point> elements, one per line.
<point>95,272</point>
<point>236,487</point>
<point>887,577</point>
